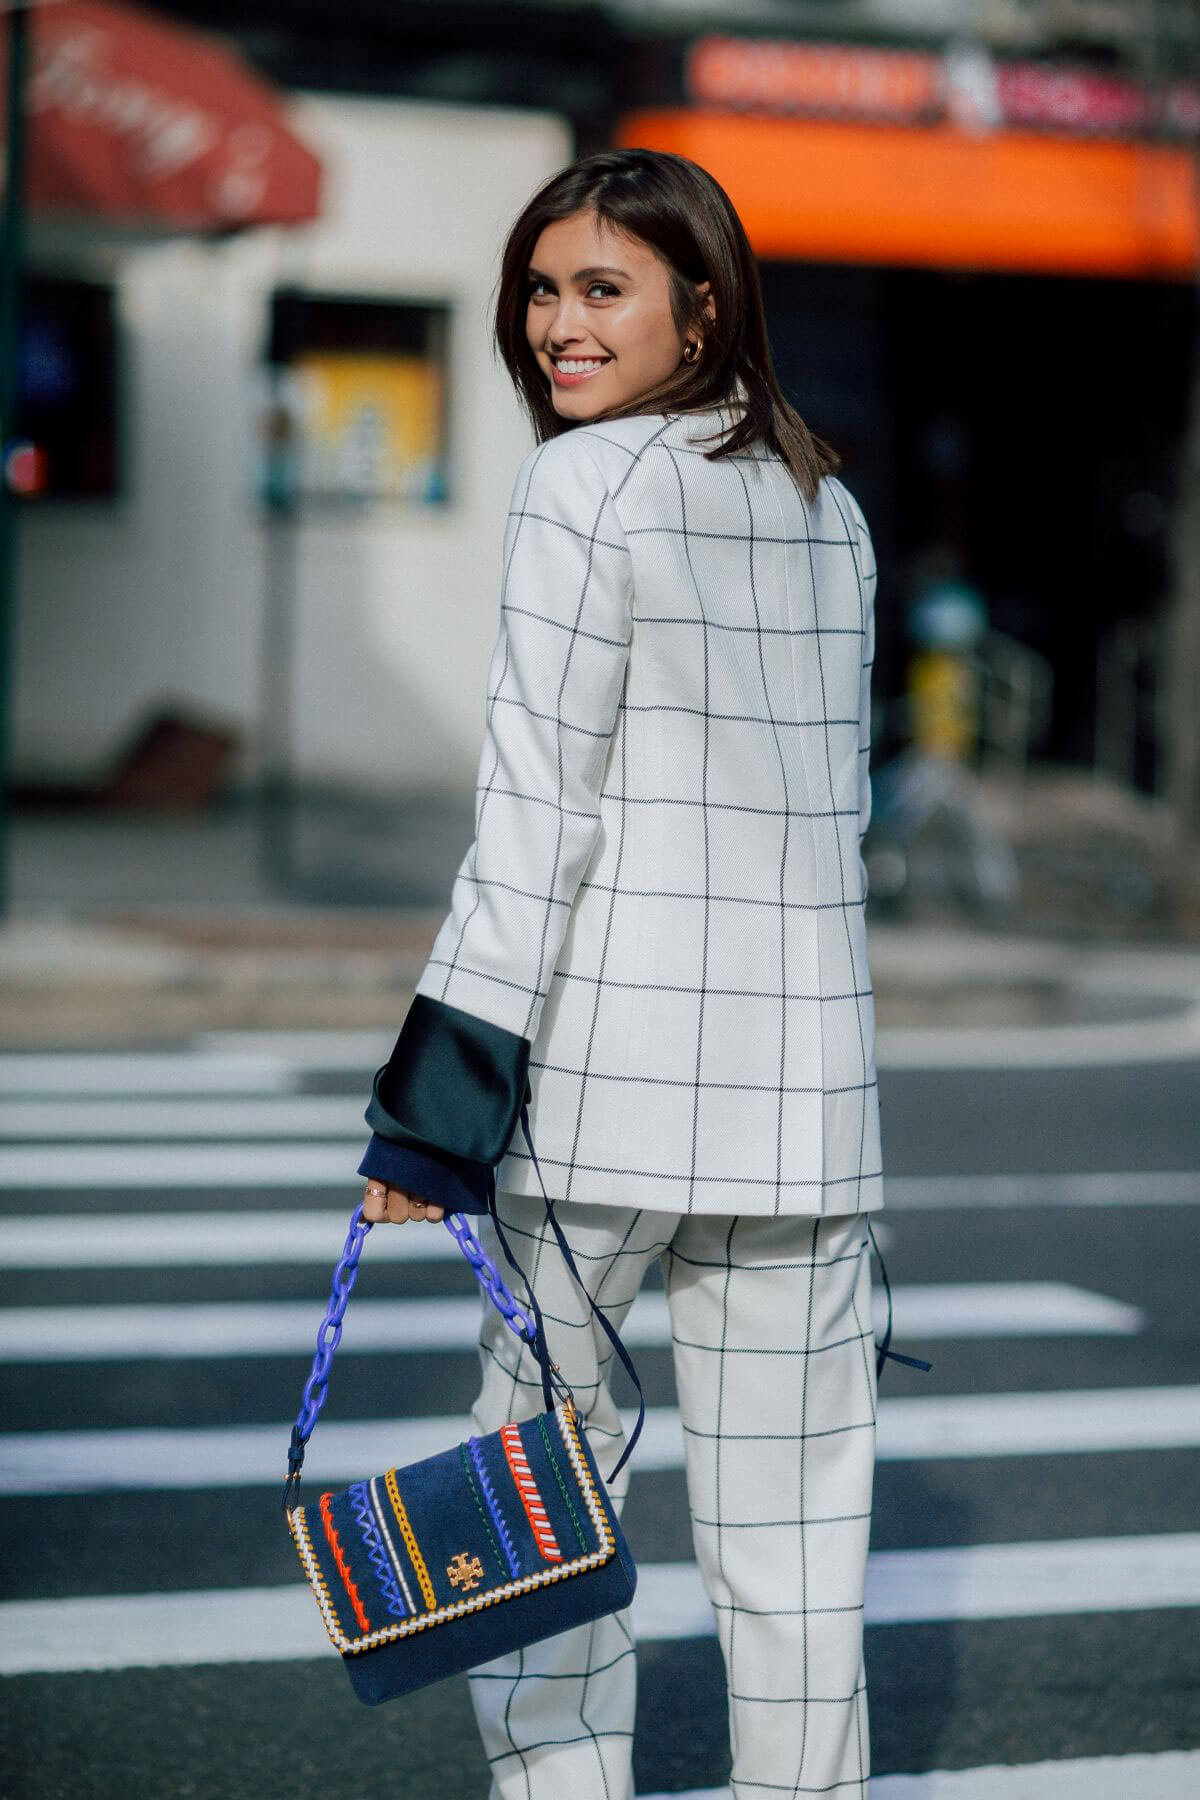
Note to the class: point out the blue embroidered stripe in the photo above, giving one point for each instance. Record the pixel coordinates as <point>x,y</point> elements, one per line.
<point>473,1485</point>
<point>380,1561</point>
<point>493,1505</point>
<point>381,1523</point>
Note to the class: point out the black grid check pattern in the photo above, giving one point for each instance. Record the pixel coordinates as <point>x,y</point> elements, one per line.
<point>666,892</point>
<point>775,1371</point>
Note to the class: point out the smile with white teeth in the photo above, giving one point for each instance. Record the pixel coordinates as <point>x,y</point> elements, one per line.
<point>572,365</point>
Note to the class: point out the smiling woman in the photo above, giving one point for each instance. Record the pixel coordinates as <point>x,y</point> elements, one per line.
<point>607,328</point>
<point>655,963</point>
<point>636,261</point>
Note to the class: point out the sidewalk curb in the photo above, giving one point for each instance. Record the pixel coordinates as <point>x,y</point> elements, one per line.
<point>131,973</point>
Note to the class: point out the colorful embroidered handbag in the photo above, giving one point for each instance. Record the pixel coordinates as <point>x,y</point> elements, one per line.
<point>425,1571</point>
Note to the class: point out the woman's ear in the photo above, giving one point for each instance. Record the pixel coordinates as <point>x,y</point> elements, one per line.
<point>705,288</point>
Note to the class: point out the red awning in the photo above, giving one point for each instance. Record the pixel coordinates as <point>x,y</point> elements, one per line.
<point>141,122</point>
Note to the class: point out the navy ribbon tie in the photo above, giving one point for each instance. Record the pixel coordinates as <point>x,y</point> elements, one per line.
<point>549,1369</point>
<point>882,1351</point>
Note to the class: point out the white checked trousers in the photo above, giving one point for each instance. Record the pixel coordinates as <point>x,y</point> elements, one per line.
<point>774,1358</point>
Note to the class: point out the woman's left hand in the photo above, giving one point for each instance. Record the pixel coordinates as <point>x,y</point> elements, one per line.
<point>392,1206</point>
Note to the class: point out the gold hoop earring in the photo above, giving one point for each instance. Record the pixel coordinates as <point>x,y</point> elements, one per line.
<point>695,349</point>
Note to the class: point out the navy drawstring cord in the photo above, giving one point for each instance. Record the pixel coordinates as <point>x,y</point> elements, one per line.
<point>608,1329</point>
<point>882,1351</point>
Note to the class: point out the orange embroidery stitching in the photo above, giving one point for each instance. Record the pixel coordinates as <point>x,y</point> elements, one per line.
<point>531,1499</point>
<point>343,1567</point>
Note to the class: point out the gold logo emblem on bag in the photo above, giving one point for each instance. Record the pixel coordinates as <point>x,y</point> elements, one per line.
<point>465,1572</point>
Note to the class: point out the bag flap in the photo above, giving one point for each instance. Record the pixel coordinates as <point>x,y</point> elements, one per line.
<point>485,1522</point>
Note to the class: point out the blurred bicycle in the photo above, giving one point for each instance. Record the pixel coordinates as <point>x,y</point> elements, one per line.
<point>929,839</point>
<point>971,691</point>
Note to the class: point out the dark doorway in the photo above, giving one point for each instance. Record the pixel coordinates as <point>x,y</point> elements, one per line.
<point>1032,422</point>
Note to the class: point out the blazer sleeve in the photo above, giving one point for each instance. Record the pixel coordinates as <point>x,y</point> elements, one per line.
<point>868,573</point>
<point>457,1077</point>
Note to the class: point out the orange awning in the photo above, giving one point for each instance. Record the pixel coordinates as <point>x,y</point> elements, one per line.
<point>938,196</point>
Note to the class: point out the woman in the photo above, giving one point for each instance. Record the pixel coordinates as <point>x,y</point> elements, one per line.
<point>657,939</point>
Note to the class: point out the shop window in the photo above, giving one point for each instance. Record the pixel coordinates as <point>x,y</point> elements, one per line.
<point>65,442</point>
<point>358,399</point>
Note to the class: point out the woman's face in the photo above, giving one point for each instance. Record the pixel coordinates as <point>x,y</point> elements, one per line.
<point>599,302</point>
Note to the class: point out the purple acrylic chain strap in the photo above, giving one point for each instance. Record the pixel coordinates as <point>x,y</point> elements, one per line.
<point>330,1335</point>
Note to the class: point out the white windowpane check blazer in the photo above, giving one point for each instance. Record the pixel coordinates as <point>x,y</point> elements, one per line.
<point>657,938</point>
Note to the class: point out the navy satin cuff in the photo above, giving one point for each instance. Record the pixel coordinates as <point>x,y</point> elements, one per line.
<point>454,1082</point>
<point>448,1181</point>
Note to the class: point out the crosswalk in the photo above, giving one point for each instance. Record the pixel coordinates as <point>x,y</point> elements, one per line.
<point>273,1624</point>
<point>269,1327</point>
<point>912,1429</point>
<point>163,1250</point>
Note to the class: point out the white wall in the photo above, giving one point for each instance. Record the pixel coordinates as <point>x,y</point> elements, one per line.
<point>158,597</point>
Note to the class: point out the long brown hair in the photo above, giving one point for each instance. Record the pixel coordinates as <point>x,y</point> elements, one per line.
<point>683,214</point>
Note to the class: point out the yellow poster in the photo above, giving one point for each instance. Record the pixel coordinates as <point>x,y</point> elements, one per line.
<point>371,425</point>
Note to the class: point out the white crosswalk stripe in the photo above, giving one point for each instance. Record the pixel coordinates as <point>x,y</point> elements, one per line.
<point>978,1581</point>
<point>283,1163</point>
<point>910,1429</point>
<point>1169,1775</point>
<point>351,1051</point>
<point>239,1070</point>
<point>69,1167</point>
<point>1149,1187</point>
<point>273,1327</point>
<point>214,1239</point>
<point>206,1240</point>
<point>1172,1037</point>
<point>230,1115</point>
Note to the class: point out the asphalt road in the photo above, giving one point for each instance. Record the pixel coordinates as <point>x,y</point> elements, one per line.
<point>1035,1589</point>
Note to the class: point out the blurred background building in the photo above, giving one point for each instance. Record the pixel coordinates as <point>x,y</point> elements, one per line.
<point>268,467</point>
<point>255,459</point>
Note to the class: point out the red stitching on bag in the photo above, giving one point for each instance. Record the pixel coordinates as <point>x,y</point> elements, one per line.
<point>343,1567</point>
<point>531,1500</point>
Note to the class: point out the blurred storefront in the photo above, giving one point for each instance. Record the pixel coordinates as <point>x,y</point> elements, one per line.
<point>980,276</point>
<point>980,270</point>
<point>157,376</point>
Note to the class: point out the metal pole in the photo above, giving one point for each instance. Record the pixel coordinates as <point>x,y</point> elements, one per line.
<point>11,260</point>
<point>276,782</point>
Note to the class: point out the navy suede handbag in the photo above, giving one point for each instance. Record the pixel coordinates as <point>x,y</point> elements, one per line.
<point>425,1571</point>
